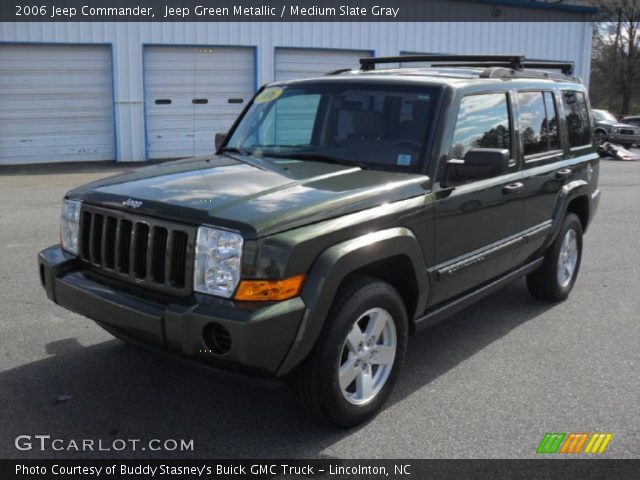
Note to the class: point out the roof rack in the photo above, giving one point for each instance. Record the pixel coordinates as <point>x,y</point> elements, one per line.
<point>514,62</point>
<point>564,67</point>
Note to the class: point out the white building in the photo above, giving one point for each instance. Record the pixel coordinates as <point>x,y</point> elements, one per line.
<point>139,91</point>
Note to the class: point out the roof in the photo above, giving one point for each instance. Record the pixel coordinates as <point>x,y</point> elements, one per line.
<point>455,77</point>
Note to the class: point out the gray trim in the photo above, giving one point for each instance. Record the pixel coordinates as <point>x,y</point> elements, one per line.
<point>442,312</point>
<point>451,267</point>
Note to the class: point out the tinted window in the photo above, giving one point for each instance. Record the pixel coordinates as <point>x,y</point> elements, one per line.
<point>483,121</point>
<point>552,121</point>
<point>575,108</point>
<point>538,122</point>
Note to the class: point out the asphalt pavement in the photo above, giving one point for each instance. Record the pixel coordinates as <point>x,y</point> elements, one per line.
<point>486,383</point>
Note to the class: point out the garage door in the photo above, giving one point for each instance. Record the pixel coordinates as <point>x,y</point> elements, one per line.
<point>305,62</point>
<point>191,93</point>
<point>56,104</point>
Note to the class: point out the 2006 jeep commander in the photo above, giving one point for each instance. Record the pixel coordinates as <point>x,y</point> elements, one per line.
<point>339,215</point>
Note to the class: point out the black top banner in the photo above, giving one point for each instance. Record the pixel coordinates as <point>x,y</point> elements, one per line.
<point>292,11</point>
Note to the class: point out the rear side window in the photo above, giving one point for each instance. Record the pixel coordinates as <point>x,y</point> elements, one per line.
<point>578,126</point>
<point>538,122</point>
<point>483,122</point>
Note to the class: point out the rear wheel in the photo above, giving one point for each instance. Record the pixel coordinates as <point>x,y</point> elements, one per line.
<point>555,278</point>
<point>356,361</point>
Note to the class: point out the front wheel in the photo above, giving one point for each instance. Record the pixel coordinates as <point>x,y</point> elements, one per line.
<point>555,278</point>
<point>601,137</point>
<point>355,363</point>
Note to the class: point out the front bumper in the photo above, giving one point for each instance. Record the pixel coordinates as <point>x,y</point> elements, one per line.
<point>620,138</point>
<point>261,335</point>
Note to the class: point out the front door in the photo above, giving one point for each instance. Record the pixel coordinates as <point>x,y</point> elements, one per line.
<point>478,223</point>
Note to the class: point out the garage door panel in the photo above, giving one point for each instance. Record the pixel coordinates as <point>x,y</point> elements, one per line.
<point>181,75</point>
<point>56,104</point>
<point>292,63</point>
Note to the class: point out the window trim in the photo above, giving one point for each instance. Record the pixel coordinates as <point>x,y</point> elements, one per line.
<point>538,157</point>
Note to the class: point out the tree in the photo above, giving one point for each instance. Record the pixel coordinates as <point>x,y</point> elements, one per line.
<point>615,72</point>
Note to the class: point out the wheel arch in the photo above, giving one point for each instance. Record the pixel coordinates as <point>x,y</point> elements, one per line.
<point>575,198</point>
<point>368,254</point>
<point>601,130</point>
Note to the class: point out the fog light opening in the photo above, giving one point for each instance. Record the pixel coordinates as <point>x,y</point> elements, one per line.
<point>217,338</point>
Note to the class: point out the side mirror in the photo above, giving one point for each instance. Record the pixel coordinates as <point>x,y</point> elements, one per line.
<point>219,139</point>
<point>478,163</point>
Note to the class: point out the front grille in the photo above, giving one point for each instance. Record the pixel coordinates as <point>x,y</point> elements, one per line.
<point>626,131</point>
<point>138,249</point>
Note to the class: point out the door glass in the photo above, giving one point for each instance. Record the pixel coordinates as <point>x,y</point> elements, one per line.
<point>483,121</point>
<point>578,125</point>
<point>538,122</point>
<point>552,121</point>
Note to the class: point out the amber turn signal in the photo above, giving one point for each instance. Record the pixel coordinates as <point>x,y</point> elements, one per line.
<point>270,290</point>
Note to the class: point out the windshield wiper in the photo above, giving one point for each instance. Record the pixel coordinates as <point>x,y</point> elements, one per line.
<point>317,157</point>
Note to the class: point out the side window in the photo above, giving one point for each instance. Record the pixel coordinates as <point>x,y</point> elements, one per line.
<point>578,125</point>
<point>552,121</point>
<point>538,122</point>
<point>483,121</point>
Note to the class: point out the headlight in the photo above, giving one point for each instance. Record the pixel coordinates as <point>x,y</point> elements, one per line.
<point>217,263</point>
<point>616,130</point>
<point>70,225</point>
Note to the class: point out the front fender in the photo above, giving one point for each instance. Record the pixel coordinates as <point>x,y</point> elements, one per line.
<point>330,269</point>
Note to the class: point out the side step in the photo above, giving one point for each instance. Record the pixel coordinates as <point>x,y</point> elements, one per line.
<point>460,303</point>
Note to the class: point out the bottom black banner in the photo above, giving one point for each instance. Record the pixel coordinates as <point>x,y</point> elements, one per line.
<point>319,469</point>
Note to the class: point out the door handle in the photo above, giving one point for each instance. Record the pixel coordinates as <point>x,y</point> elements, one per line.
<point>512,188</point>
<point>564,173</point>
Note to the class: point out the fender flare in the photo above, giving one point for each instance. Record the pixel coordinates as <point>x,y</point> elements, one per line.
<point>569,192</point>
<point>330,269</point>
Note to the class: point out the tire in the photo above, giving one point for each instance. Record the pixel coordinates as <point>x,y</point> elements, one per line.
<point>546,282</point>
<point>600,136</point>
<point>366,302</point>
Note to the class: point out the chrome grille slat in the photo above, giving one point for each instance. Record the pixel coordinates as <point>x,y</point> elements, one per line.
<point>138,249</point>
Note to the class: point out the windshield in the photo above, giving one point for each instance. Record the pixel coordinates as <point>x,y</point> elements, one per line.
<point>380,126</point>
<point>604,116</point>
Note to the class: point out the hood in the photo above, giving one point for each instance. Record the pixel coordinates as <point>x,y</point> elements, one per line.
<point>256,196</point>
<point>616,124</point>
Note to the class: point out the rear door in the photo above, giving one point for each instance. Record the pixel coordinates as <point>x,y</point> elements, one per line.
<point>547,154</point>
<point>478,223</point>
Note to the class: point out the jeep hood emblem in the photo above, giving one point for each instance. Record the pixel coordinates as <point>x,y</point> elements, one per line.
<point>130,202</point>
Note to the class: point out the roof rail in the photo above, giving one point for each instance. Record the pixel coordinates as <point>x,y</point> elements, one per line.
<point>514,61</point>
<point>338,71</point>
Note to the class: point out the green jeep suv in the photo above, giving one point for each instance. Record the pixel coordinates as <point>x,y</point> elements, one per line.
<point>337,217</point>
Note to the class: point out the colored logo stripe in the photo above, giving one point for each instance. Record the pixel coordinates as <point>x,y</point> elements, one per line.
<point>598,443</point>
<point>573,442</point>
<point>550,443</point>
